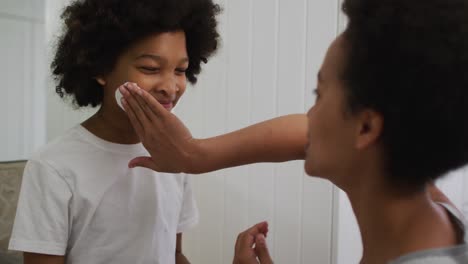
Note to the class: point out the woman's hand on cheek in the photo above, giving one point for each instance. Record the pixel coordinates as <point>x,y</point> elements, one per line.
<point>169,142</point>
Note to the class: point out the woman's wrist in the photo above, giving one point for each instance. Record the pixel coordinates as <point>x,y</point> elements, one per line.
<point>197,158</point>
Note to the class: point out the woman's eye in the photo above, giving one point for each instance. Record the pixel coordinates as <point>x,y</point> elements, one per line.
<point>317,94</point>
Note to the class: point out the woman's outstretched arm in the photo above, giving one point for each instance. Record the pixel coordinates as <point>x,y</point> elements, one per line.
<point>173,149</point>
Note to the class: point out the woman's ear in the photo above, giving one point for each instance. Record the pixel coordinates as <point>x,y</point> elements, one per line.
<point>101,81</point>
<point>370,128</point>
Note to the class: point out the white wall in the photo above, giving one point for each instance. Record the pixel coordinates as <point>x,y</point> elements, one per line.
<point>267,66</point>
<point>22,73</point>
<point>61,115</point>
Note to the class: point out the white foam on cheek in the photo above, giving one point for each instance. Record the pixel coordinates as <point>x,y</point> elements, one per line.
<point>118,97</point>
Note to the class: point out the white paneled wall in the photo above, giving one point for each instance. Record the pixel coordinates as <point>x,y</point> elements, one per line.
<point>22,72</point>
<point>61,115</point>
<point>266,67</point>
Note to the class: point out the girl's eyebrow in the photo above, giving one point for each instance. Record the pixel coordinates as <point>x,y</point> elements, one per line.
<point>158,58</point>
<point>152,57</point>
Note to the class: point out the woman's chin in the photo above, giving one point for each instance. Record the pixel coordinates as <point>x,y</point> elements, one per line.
<point>308,168</point>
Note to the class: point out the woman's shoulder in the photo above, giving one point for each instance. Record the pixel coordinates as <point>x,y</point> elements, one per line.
<point>452,255</point>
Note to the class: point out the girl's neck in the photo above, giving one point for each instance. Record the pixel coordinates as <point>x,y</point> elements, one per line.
<point>111,126</point>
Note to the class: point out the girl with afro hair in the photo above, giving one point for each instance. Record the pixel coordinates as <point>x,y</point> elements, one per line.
<point>79,201</point>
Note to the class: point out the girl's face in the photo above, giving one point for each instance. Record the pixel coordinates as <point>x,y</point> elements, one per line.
<point>156,64</point>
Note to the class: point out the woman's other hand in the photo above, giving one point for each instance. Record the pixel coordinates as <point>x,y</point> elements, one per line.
<point>251,246</point>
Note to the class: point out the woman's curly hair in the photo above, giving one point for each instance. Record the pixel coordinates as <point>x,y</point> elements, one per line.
<point>408,60</point>
<point>96,32</point>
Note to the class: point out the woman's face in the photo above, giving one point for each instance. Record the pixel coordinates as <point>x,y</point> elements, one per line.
<point>331,131</point>
<point>156,64</point>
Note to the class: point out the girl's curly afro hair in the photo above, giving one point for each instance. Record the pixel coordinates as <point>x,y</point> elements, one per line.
<point>96,32</point>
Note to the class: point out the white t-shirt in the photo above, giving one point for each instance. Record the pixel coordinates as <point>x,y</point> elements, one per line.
<point>79,199</point>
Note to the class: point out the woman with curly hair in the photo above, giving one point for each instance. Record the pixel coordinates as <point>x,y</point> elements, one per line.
<point>79,202</point>
<point>389,120</point>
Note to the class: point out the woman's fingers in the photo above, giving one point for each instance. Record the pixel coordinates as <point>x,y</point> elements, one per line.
<point>131,113</point>
<point>144,162</point>
<point>147,102</point>
<point>131,96</point>
<point>245,252</point>
<point>245,241</point>
<point>261,250</point>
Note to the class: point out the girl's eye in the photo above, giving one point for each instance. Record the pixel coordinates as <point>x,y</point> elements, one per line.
<point>181,71</point>
<point>150,69</point>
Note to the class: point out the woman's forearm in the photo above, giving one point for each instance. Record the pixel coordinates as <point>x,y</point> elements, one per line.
<point>275,140</point>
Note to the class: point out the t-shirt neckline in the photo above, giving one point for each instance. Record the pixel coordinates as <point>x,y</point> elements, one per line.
<point>133,149</point>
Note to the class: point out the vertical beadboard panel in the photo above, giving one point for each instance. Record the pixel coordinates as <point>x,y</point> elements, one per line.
<point>13,71</point>
<point>29,10</point>
<point>262,71</point>
<point>61,115</point>
<point>26,97</point>
<point>208,235</point>
<point>14,82</point>
<point>39,85</point>
<point>190,111</point>
<point>263,106</point>
<point>290,99</point>
<point>318,195</point>
<point>211,198</point>
<point>238,48</point>
<point>56,109</point>
<point>3,103</point>
<point>34,99</point>
<point>21,24</point>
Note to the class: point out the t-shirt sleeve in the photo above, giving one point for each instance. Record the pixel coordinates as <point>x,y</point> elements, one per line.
<point>189,212</point>
<point>42,219</point>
